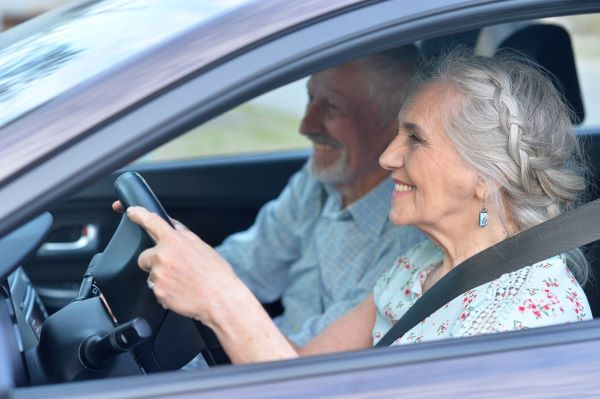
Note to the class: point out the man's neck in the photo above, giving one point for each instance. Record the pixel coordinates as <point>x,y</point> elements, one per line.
<point>358,188</point>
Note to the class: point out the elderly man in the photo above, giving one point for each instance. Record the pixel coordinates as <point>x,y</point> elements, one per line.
<point>321,245</point>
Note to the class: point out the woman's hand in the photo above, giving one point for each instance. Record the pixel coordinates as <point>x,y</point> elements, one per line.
<point>192,279</point>
<point>187,274</point>
<point>118,207</point>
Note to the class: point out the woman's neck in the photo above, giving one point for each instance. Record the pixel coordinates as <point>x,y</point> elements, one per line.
<point>461,242</point>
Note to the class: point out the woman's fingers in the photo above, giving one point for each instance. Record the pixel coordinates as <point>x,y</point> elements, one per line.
<point>145,260</point>
<point>117,206</point>
<point>178,225</point>
<point>186,274</point>
<point>151,222</point>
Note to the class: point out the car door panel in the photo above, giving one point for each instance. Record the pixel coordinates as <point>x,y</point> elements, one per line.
<point>212,197</point>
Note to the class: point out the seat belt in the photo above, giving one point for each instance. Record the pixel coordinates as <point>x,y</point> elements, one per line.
<point>555,236</point>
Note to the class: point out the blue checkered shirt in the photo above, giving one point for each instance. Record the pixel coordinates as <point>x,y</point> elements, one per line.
<point>318,257</point>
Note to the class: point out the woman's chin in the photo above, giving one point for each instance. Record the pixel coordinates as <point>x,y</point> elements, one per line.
<point>400,219</point>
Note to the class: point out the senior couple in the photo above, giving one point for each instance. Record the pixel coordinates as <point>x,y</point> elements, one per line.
<point>481,149</point>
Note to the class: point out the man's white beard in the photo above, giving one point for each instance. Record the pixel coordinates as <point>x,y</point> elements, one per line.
<point>334,174</point>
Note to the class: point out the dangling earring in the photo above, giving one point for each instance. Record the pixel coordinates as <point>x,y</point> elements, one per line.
<point>483,217</point>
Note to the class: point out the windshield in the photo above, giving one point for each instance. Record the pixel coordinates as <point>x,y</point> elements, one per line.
<point>88,39</point>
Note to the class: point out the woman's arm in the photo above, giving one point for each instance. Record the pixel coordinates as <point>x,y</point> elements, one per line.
<point>246,331</point>
<point>193,280</point>
<point>248,334</point>
<point>350,332</point>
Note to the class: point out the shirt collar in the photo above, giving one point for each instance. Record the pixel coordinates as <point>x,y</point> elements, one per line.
<point>370,212</point>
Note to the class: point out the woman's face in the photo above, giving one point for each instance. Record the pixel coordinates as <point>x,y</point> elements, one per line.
<point>435,189</point>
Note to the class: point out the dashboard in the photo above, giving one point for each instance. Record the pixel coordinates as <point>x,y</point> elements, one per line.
<point>21,311</point>
<point>13,358</point>
<point>121,331</point>
<point>74,343</point>
<point>29,311</point>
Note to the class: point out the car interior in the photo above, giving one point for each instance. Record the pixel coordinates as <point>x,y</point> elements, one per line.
<point>214,197</point>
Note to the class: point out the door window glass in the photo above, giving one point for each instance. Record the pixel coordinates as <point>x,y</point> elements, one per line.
<point>585,37</point>
<point>267,123</point>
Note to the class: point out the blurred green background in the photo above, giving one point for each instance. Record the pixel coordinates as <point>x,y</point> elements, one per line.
<point>267,123</point>
<point>251,128</point>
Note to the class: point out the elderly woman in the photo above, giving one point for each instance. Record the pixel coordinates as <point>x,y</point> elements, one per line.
<point>484,150</point>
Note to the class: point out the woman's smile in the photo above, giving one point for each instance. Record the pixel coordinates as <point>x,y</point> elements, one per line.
<point>401,189</point>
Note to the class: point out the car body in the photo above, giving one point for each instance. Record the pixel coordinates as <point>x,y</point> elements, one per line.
<point>60,151</point>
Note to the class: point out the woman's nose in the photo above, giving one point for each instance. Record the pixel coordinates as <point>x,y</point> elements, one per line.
<point>393,156</point>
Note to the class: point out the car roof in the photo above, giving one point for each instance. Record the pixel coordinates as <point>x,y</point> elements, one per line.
<point>77,46</point>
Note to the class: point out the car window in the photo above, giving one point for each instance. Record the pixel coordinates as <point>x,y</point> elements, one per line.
<point>266,123</point>
<point>270,122</point>
<point>584,33</point>
<point>585,36</point>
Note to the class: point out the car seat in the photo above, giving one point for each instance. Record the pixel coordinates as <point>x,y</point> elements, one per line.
<point>550,46</point>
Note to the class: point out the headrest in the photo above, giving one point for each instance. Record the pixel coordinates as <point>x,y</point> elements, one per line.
<point>550,46</point>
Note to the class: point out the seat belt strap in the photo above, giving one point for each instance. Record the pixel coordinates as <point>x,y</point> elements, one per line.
<point>555,236</point>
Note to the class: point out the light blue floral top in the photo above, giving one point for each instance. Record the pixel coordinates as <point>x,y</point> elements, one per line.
<point>541,294</point>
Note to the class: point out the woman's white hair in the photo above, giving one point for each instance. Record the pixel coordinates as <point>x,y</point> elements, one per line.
<point>512,126</point>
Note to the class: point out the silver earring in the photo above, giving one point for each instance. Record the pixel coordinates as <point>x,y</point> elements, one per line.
<point>483,217</point>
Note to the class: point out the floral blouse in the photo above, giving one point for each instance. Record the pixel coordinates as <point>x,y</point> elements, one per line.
<point>538,295</point>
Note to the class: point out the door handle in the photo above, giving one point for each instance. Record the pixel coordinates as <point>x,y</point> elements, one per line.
<point>88,243</point>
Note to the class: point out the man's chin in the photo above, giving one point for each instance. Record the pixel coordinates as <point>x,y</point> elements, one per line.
<point>336,173</point>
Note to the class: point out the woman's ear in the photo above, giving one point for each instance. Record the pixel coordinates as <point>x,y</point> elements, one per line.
<point>482,189</point>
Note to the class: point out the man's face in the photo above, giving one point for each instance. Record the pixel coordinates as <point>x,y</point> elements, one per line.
<point>344,125</point>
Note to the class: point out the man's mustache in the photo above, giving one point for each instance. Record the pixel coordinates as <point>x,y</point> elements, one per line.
<point>325,139</point>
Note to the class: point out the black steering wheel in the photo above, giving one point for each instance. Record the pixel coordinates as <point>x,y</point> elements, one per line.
<point>97,334</point>
<point>175,339</point>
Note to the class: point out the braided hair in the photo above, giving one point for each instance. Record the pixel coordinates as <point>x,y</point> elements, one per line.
<point>512,126</point>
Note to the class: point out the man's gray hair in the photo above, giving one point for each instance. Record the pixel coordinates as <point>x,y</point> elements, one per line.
<point>513,128</point>
<point>390,76</point>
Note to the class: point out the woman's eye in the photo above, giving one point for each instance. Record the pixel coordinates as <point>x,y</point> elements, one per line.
<point>414,138</point>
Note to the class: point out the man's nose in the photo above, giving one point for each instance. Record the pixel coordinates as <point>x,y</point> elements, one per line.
<point>312,121</point>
